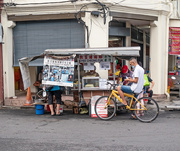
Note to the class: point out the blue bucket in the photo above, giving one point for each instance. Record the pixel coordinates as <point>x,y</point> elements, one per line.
<point>39,109</point>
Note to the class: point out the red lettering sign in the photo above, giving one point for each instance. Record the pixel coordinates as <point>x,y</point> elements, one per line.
<point>174,41</point>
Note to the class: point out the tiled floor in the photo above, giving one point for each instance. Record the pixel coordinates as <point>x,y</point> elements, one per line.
<point>21,99</point>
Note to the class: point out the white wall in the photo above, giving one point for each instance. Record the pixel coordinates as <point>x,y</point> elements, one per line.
<point>174,23</point>
<point>98,36</point>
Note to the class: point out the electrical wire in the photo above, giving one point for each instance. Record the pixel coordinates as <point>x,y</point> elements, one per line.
<point>115,3</point>
<point>120,1</point>
<point>104,9</point>
<point>87,5</point>
<point>82,22</point>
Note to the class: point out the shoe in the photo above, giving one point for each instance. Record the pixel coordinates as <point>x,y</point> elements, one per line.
<point>150,103</point>
<point>53,114</point>
<point>138,114</point>
<point>60,114</point>
<point>83,111</point>
<point>133,117</point>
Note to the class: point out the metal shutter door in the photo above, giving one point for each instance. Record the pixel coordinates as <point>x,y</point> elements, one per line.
<point>32,38</point>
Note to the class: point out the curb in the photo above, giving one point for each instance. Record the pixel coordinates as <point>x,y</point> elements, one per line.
<point>17,107</point>
<point>10,107</point>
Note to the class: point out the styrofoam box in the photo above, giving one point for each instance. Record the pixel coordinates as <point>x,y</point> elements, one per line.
<point>103,83</point>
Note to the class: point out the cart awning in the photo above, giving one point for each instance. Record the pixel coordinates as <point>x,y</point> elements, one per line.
<point>120,52</point>
<point>112,51</point>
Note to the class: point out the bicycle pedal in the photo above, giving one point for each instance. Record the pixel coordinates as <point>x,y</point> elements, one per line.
<point>121,105</point>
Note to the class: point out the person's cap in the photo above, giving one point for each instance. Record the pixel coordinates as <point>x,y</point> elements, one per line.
<point>124,69</point>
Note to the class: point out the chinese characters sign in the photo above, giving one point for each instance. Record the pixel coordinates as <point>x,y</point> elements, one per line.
<point>174,40</point>
<point>94,58</point>
<point>58,72</point>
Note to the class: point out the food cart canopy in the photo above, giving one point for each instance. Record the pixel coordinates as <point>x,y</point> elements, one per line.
<point>112,51</point>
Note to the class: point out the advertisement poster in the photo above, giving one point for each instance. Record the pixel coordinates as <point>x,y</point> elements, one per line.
<point>174,41</point>
<point>58,72</point>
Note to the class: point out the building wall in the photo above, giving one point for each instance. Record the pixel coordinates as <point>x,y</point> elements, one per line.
<point>98,32</point>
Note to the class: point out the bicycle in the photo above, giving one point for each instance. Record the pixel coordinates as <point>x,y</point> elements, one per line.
<point>106,107</point>
<point>42,94</point>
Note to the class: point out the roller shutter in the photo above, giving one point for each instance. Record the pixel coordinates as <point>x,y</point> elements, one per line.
<point>32,38</point>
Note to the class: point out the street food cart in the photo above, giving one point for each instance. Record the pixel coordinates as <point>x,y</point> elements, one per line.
<point>89,85</point>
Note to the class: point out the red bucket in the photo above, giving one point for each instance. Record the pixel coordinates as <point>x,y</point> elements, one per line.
<point>48,109</point>
<point>146,95</point>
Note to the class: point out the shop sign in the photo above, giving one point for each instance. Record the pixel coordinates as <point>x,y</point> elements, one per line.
<point>174,41</point>
<point>94,58</point>
<point>58,72</point>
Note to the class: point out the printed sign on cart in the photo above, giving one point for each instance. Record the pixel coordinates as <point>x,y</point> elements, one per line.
<point>58,72</point>
<point>95,58</point>
<point>100,108</point>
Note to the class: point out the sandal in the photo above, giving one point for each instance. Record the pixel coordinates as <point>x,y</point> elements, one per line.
<point>133,117</point>
<point>53,114</point>
<point>59,114</point>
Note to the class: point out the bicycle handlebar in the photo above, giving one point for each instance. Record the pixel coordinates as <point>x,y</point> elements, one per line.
<point>111,84</point>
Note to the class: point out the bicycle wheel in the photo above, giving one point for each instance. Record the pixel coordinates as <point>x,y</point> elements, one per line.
<point>103,110</point>
<point>148,115</point>
<point>39,95</point>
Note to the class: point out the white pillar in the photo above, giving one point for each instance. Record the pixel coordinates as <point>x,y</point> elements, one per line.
<point>128,41</point>
<point>8,69</point>
<point>98,36</point>
<point>144,49</point>
<point>159,54</point>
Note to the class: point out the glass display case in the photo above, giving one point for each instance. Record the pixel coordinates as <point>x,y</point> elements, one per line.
<point>90,82</point>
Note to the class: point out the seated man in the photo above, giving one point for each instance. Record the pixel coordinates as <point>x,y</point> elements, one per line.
<point>137,81</point>
<point>125,72</point>
<point>147,86</point>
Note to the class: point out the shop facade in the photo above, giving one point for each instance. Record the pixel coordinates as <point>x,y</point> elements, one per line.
<point>30,28</point>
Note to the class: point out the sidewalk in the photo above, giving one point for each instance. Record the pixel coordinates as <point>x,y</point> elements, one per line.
<point>172,103</point>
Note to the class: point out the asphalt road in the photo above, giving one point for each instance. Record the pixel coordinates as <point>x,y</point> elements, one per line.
<point>23,130</point>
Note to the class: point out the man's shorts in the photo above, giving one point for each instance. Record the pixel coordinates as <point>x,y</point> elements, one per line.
<point>126,89</point>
